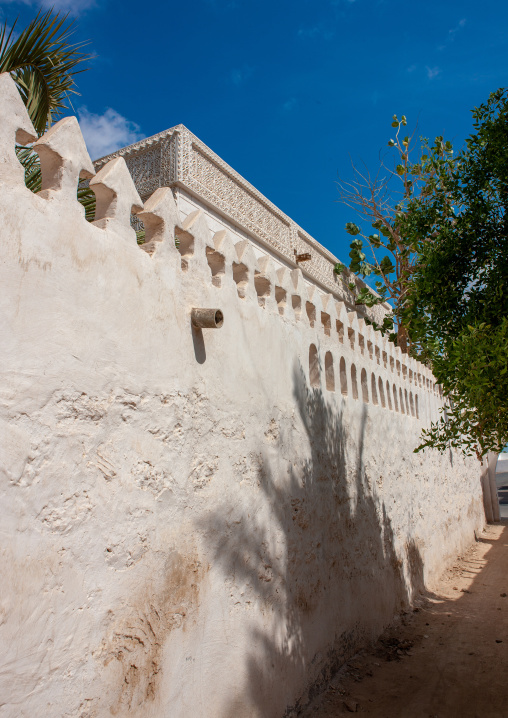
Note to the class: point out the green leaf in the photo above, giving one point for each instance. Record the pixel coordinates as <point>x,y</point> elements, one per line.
<point>386,265</point>
<point>352,228</point>
<point>338,268</point>
<point>43,63</point>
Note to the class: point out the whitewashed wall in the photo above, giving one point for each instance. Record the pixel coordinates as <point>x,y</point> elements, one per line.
<point>189,528</point>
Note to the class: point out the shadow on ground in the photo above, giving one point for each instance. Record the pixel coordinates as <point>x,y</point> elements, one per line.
<point>454,649</point>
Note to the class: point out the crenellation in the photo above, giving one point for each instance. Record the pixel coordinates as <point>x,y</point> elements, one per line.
<point>329,318</point>
<point>64,160</point>
<point>224,247</point>
<point>352,336</point>
<point>177,158</point>
<point>361,344</point>
<point>272,288</point>
<point>161,220</point>
<point>181,467</point>
<point>283,290</point>
<point>15,126</point>
<point>363,327</point>
<point>326,323</point>
<point>194,238</point>
<point>313,308</point>
<point>217,259</point>
<point>339,327</point>
<point>244,270</point>
<point>311,313</point>
<point>116,199</point>
<point>264,282</point>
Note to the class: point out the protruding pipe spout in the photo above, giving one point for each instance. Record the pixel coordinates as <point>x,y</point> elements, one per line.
<point>207,318</point>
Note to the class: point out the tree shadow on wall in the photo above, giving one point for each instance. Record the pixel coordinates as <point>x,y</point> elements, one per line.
<point>315,558</point>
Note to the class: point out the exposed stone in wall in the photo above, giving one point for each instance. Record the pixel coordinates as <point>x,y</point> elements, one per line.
<point>192,524</point>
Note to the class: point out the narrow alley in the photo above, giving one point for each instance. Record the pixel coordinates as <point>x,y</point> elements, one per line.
<point>448,658</point>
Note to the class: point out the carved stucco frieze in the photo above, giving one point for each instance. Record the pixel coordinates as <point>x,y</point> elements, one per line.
<point>177,158</point>
<point>213,184</point>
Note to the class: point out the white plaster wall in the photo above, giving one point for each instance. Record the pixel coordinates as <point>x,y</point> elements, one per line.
<point>187,204</point>
<point>188,528</point>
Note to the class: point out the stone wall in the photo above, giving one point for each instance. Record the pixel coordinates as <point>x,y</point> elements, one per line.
<point>195,523</point>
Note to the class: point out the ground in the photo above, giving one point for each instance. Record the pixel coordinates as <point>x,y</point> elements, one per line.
<point>448,658</point>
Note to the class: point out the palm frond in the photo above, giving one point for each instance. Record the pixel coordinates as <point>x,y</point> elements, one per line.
<point>33,180</point>
<point>87,199</point>
<point>43,64</point>
<point>30,161</point>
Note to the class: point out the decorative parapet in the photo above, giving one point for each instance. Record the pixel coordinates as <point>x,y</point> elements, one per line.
<point>177,158</point>
<point>144,456</point>
<point>203,254</point>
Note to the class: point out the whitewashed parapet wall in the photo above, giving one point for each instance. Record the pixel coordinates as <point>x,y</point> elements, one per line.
<point>176,158</point>
<point>194,523</point>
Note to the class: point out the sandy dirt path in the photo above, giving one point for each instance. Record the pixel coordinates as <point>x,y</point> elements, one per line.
<point>446,659</point>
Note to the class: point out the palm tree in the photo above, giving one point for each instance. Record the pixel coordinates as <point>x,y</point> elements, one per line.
<point>43,63</point>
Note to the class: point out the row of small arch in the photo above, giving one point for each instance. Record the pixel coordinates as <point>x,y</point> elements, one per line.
<point>217,264</point>
<point>385,395</point>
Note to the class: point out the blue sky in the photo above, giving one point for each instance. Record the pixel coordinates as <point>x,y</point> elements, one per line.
<point>285,92</point>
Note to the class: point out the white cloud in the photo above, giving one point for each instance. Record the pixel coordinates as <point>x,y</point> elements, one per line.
<point>451,34</point>
<point>432,72</point>
<point>455,30</point>
<point>73,7</point>
<point>108,132</point>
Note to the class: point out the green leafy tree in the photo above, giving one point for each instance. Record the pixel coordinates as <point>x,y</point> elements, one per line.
<point>44,63</point>
<point>457,302</point>
<point>446,274</point>
<point>391,253</point>
<point>473,372</point>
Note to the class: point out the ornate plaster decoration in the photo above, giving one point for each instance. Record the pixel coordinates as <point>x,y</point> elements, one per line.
<point>177,158</point>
